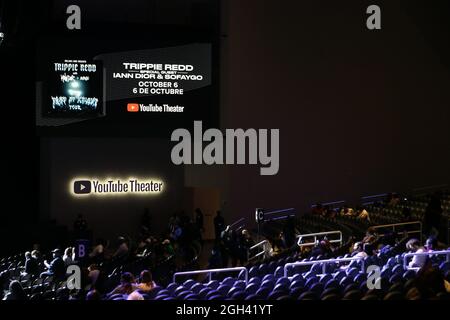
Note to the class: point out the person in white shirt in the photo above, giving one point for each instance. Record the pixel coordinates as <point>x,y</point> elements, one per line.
<point>358,251</point>
<point>413,245</point>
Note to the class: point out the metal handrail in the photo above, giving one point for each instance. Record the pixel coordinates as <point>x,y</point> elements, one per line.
<point>279,211</point>
<point>430,253</point>
<point>210,272</point>
<point>260,244</point>
<point>332,204</point>
<point>367,200</point>
<point>284,214</point>
<point>237,222</point>
<point>301,236</point>
<point>324,263</point>
<point>393,225</point>
<point>429,188</point>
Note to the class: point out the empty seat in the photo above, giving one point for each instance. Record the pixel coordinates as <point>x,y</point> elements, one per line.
<point>263,292</point>
<point>256,280</point>
<point>189,283</point>
<point>251,288</point>
<point>213,284</point>
<point>268,284</point>
<point>283,280</point>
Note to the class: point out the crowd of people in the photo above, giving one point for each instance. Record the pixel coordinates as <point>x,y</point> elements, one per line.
<point>180,242</point>
<point>345,210</point>
<point>183,240</point>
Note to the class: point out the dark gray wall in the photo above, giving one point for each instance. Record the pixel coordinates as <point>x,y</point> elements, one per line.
<point>359,112</point>
<point>122,158</point>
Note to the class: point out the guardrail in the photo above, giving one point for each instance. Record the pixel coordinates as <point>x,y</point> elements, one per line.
<point>279,214</point>
<point>393,225</point>
<point>315,235</point>
<point>238,224</point>
<point>262,244</point>
<point>332,205</point>
<point>367,200</point>
<point>428,189</point>
<point>287,266</point>
<point>431,253</point>
<point>210,272</point>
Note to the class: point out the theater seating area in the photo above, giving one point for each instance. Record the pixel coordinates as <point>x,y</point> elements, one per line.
<point>266,279</point>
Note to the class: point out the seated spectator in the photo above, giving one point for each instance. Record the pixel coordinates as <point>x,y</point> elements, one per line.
<point>363,214</point>
<point>146,284</point>
<point>358,251</point>
<point>69,256</point>
<point>127,284</point>
<point>329,212</point>
<point>406,213</point>
<point>135,295</point>
<point>93,295</point>
<point>278,244</point>
<point>431,244</point>
<point>321,248</point>
<point>97,253</point>
<point>15,292</point>
<point>371,236</point>
<point>430,281</point>
<point>168,248</point>
<point>93,274</point>
<point>31,265</point>
<point>413,245</point>
<point>122,249</point>
<point>394,200</point>
<point>369,249</point>
<point>346,211</point>
<point>56,267</point>
<point>317,210</point>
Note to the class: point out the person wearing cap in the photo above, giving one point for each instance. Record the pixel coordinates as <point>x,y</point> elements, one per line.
<point>56,267</point>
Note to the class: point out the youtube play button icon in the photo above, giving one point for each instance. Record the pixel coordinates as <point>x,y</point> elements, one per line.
<point>82,187</point>
<point>133,107</point>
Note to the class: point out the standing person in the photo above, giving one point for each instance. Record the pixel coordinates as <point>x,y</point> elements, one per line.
<point>289,232</point>
<point>432,217</point>
<point>80,227</point>
<point>219,224</point>
<point>215,260</point>
<point>146,222</point>
<point>244,245</point>
<point>227,245</point>
<point>199,219</point>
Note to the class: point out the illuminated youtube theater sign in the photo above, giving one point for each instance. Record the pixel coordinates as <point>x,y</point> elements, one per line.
<point>81,187</point>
